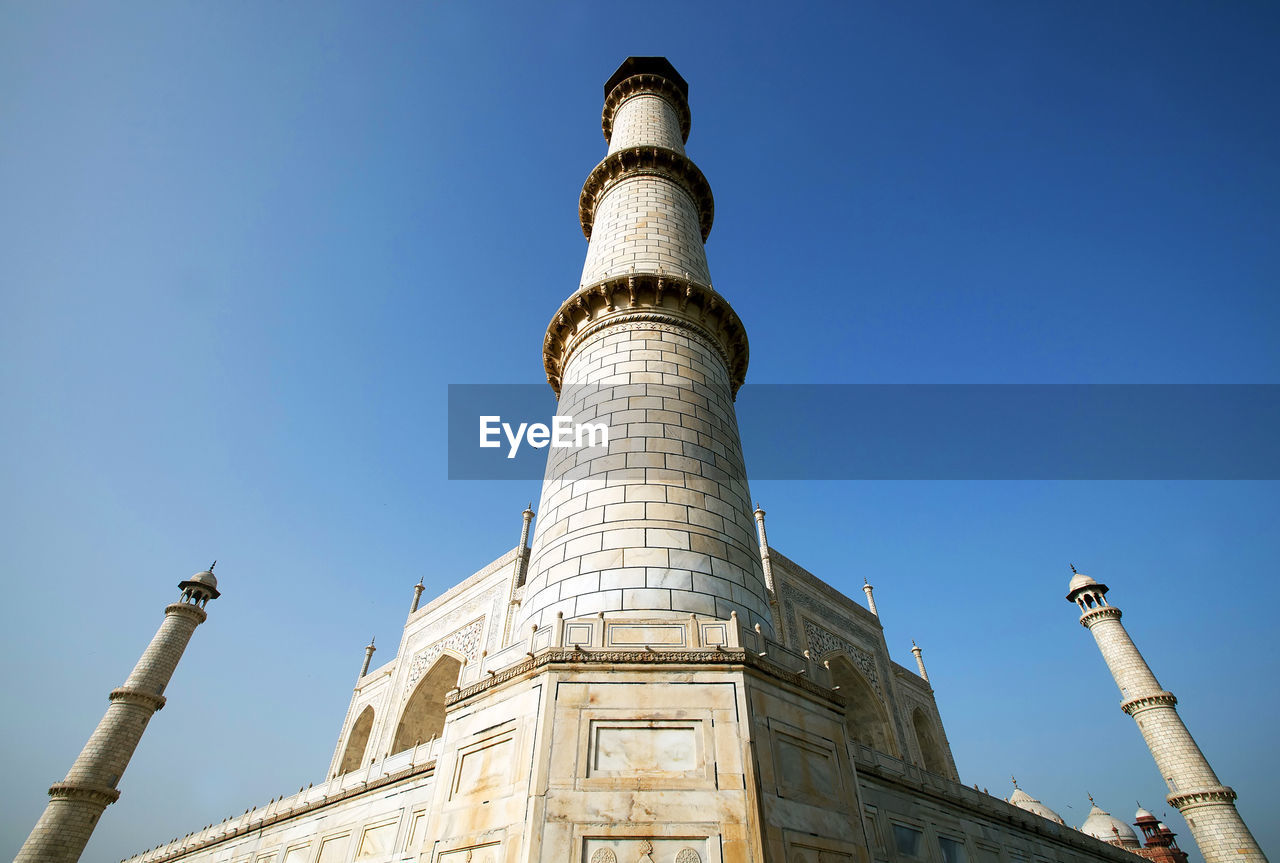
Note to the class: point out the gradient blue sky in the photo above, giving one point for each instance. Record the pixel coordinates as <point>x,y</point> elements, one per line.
<point>247,246</point>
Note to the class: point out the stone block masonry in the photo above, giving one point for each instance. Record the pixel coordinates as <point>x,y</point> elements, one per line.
<point>662,521</point>
<point>647,224</point>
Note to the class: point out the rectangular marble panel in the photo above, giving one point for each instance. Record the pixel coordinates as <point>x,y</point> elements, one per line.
<point>334,849</point>
<point>484,766</point>
<point>805,766</point>
<point>650,633</point>
<point>577,633</point>
<point>644,747</point>
<point>377,840</point>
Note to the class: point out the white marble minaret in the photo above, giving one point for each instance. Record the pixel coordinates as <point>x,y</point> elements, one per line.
<point>1207,805</point>
<point>660,524</point>
<point>77,801</point>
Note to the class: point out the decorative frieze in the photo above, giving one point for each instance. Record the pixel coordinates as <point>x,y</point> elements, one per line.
<point>464,641</point>
<point>94,794</point>
<point>1104,612</point>
<point>610,658</point>
<point>149,700</point>
<point>822,642</point>
<point>651,161</point>
<point>1201,796</point>
<point>683,305</point>
<point>645,83</point>
<point>1144,702</point>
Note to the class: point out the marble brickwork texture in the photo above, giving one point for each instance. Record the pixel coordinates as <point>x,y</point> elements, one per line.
<point>646,223</point>
<point>660,522</point>
<point>646,119</point>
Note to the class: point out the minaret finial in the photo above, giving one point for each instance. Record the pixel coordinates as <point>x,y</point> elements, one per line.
<point>1090,796</point>
<point>212,565</point>
<point>1015,781</point>
<point>1074,571</point>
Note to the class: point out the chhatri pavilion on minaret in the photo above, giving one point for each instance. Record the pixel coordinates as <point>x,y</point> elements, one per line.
<point>648,680</point>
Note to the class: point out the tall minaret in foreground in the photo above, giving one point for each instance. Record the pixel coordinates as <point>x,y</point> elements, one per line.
<point>660,525</point>
<point>90,786</point>
<point>1194,789</point>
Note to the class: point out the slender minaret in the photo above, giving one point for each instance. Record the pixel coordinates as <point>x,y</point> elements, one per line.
<point>522,563</point>
<point>871,600</point>
<point>90,786</point>
<point>763,538</point>
<point>368,657</point>
<point>1194,790</point>
<point>660,524</point>
<point>915,648</point>
<point>417,596</point>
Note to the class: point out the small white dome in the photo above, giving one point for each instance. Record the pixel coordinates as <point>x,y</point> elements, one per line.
<point>201,583</point>
<point>1078,581</point>
<point>1105,826</point>
<point>1142,813</point>
<point>206,578</point>
<point>1026,802</point>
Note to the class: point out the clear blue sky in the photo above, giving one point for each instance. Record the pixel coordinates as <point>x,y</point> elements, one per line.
<point>246,247</point>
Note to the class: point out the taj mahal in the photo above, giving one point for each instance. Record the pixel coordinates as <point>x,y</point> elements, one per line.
<point>642,677</point>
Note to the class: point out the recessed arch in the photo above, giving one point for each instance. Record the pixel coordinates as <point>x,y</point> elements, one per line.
<point>866,719</point>
<point>935,760</point>
<point>423,716</point>
<point>357,741</point>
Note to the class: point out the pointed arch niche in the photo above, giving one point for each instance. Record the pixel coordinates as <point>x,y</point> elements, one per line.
<point>423,716</point>
<point>357,741</point>
<point>935,760</point>
<point>866,719</point>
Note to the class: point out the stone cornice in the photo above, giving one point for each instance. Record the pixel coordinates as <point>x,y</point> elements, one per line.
<point>149,700</point>
<point>613,658</point>
<point>644,83</point>
<point>1102,612</point>
<point>1213,795</point>
<point>916,781</point>
<point>644,297</point>
<point>1163,698</point>
<point>187,609</point>
<point>97,794</point>
<point>652,161</point>
<point>253,826</point>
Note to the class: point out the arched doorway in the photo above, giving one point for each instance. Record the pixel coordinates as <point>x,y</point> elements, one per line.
<point>423,716</point>
<point>866,720</point>
<point>930,747</point>
<point>357,741</point>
